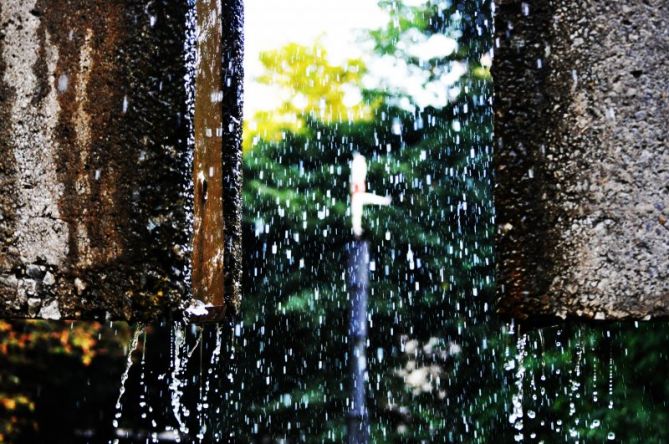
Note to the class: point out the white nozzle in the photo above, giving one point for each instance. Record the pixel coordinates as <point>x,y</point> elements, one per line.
<point>360,198</point>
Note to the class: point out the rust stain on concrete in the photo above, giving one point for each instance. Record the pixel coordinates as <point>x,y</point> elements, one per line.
<point>209,226</point>
<point>85,34</point>
<point>94,159</point>
<point>96,168</point>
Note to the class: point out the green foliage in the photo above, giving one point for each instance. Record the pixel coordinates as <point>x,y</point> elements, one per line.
<point>429,249</point>
<point>442,367</point>
<point>582,383</point>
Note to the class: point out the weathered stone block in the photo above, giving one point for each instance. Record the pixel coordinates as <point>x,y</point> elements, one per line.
<point>96,158</point>
<point>582,158</point>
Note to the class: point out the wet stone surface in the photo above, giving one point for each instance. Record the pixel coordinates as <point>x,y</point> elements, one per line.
<point>582,158</point>
<point>94,164</point>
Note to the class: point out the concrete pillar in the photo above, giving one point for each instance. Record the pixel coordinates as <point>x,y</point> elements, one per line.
<point>96,164</point>
<point>582,158</point>
<point>219,80</point>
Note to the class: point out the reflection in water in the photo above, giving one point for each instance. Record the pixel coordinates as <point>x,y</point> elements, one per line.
<point>441,366</point>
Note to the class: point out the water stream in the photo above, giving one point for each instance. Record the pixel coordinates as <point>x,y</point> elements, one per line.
<point>131,349</point>
<point>441,366</point>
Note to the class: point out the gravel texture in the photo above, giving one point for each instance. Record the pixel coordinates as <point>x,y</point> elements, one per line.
<point>582,158</point>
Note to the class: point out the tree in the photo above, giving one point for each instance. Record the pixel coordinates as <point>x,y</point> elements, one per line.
<point>442,366</point>
<point>432,247</point>
<point>313,88</point>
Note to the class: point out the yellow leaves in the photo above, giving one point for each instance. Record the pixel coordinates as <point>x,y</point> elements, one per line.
<point>8,403</point>
<point>36,346</point>
<point>310,87</point>
<point>482,72</point>
<point>85,342</point>
<point>70,338</point>
<point>11,403</point>
<point>12,413</point>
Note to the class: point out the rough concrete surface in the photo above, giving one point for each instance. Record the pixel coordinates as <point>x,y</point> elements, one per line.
<point>582,158</point>
<point>94,161</point>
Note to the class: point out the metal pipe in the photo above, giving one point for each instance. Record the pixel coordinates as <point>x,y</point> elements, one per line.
<point>358,282</point>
